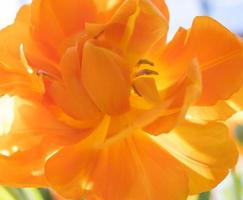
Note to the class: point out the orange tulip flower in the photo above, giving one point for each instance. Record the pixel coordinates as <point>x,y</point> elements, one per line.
<point>95,104</point>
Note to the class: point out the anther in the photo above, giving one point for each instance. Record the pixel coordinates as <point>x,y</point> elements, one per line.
<point>136,91</point>
<point>45,74</point>
<point>146,72</point>
<point>145,62</point>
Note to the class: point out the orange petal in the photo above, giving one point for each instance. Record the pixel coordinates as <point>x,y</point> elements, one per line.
<point>106,78</point>
<point>24,118</point>
<point>26,142</point>
<point>70,67</point>
<point>220,55</point>
<point>163,7</point>
<point>220,111</point>
<point>10,39</point>
<point>150,26</point>
<point>24,14</point>
<point>54,20</point>
<point>236,101</point>
<point>135,28</point>
<point>137,168</point>
<point>24,169</point>
<point>179,83</point>
<point>16,72</point>
<point>172,63</point>
<point>206,150</point>
<point>146,87</point>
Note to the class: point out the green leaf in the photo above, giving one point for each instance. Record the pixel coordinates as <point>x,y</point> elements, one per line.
<point>204,196</point>
<point>7,193</point>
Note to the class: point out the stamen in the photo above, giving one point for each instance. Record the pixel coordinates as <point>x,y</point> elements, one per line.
<point>136,91</point>
<point>145,62</point>
<point>42,73</point>
<point>146,72</point>
<point>45,74</point>
<point>99,34</point>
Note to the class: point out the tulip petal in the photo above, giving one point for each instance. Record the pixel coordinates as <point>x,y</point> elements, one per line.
<point>51,19</point>
<point>30,168</point>
<point>179,82</point>
<point>133,168</point>
<point>15,70</point>
<point>106,79</point>
<point>10,54</point>
<point>80,105</point>
<point>236,101</point>
<point>220,55</point>
<point>26,142</point>
<point>135,28</point>
<point>172,63</point>
<point>163,7</point>
<point>11,37</point>
<point>206,150</point>
<point>146,88</point>
<point>220,111</point>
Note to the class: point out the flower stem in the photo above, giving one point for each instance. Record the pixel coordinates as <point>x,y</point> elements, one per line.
<point>237,185</point>
<point>204,196</point>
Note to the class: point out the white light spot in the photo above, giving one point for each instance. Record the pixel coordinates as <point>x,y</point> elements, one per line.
<point>15,149</point>
<point>24,59</point>
<point>111,4</point>
<point>37,173</point>
<point>5,152</point>
<point>6,114</point>
<point>86,185</point>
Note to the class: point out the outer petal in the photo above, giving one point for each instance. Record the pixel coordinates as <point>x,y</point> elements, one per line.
<point>133,168</point>
<point>163,7</point>
<point>15,71</point>
<point>222,110</point>
<point>54,21</point>
<point>172,63</point>
<point>106,78</point>
<point>25,141</point>
<point>51,19</point>
<point>206,150</point>
<point>220,55</point>
<point>236,101</point>
<point>25,169</point>
<point>11,37</point>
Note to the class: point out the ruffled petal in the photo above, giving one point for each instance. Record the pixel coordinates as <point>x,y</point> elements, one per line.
<point>25,169</point>
<point>220,55</point>
<point>222,110</point>
<point>106,78</point>
<point>133,168</point>
<point>11,38</point>
<point>172,63</point>
<point>26,142</point>
<point>53,21</point>
<point>206,150</point>
<point>135,28</point>
<point>179,83</point>
<point>18,76</point>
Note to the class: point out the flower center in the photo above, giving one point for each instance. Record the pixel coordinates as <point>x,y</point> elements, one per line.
<point>144,81</point>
